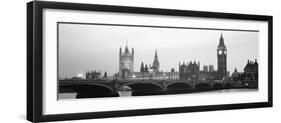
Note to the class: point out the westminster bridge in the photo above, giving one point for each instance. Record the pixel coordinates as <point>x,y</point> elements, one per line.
<point>110,88</point>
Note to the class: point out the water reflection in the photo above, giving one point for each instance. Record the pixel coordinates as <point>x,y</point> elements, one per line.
<point>127,92</point>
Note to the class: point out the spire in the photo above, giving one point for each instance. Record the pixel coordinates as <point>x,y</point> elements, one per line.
<point>127,42</point>
<point>126,48</point>
<point>221,44</point>
<point>142,67</point>
<point>235,70</point>
<point>156,56</point>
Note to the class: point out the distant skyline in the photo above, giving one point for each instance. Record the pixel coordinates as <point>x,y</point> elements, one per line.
<point>96,47</point>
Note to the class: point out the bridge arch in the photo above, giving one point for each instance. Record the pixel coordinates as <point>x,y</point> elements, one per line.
<point>91,90</point>
<point>228,85</point>
<point>202,86</point>
<point>178,86</point>
<point>218,86</point>
<point>148,86</point>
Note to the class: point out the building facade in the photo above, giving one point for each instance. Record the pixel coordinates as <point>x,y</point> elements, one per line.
<point>189,71</point>
<point>207,75</point>
<point>211,68</point>
<point>126,62</point>
<point>251,71</point>
<point>93,75</point>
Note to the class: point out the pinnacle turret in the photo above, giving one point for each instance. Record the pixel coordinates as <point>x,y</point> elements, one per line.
<point>221,44</point>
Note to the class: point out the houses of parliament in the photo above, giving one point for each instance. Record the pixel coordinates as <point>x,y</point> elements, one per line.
<point>186,70</point>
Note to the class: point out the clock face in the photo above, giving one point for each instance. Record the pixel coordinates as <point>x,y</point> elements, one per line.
<point>220,52</point>
<point>225,52</point>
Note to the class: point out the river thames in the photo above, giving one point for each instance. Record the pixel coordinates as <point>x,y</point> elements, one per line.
<point>129,93</point>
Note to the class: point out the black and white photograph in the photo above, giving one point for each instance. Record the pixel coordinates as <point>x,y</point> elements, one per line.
<point>97,60</point>
<point>90,60</point>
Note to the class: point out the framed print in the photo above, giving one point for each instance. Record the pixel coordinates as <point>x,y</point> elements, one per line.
<point>94,61</point>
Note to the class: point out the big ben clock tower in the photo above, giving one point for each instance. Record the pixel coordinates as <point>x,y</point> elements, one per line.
<point>222,53</point>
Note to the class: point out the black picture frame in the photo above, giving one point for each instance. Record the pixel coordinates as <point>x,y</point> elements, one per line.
<point>34,60</point>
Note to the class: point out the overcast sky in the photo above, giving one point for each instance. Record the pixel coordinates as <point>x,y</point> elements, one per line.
<point>96,47</point>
